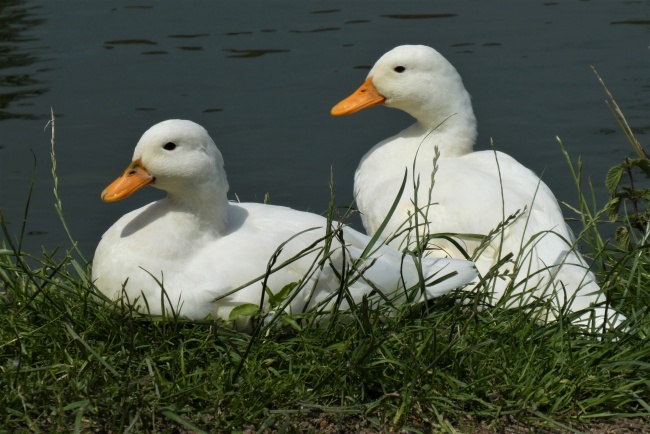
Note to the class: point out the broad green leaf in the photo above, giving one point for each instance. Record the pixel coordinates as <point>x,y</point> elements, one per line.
<point>623,237</point>
<point>646,194</point>
<point>285,291</point>
<point>291,322</point>
<point>643,164</point>
<point>246,309</point>
<point>614,178</point>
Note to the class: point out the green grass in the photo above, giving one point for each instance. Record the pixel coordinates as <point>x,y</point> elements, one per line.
<point>72,362</point>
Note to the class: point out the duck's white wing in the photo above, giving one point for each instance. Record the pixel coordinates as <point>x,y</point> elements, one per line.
<point>319,262</point>
<point>442,274</point>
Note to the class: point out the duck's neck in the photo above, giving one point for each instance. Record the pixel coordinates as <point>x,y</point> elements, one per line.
<point>448,123</point>
<point>205,207</point>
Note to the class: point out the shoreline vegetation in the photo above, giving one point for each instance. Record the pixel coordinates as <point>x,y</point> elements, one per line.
<point>72,361</point>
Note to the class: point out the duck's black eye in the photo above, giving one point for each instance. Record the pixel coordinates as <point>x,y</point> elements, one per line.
<point>399,69</point>
<point>170,146</point>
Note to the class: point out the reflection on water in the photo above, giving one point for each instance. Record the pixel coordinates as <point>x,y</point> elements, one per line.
<point>418,16</point>
<point>635,22</point>
<point>18,82</point>
<point>252,53</point>
<point>110,44</point>
<point>326,11</point>
<point>322,29</point>
<point>198,35</point>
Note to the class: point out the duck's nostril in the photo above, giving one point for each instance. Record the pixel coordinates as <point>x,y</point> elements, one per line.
<point>132,172</point>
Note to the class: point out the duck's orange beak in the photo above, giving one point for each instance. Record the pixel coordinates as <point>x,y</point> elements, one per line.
<point>133,178</point>
<point>366,96</point>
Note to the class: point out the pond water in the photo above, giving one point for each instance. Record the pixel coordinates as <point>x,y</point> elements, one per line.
<point>261,76</point>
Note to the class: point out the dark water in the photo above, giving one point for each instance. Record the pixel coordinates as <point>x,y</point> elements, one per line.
<point>261,76</point>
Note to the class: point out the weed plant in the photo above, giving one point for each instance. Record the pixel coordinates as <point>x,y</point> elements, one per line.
<point>72,361</point>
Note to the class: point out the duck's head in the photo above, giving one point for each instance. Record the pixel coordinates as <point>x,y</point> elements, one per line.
<point>414,78</point>
<point>177,156</point>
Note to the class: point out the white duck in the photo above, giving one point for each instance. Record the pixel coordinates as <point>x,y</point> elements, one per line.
<point>461,191</point>
<point>200,247</point>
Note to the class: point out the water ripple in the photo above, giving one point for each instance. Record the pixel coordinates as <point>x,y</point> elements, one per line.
<point>253,52</point>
